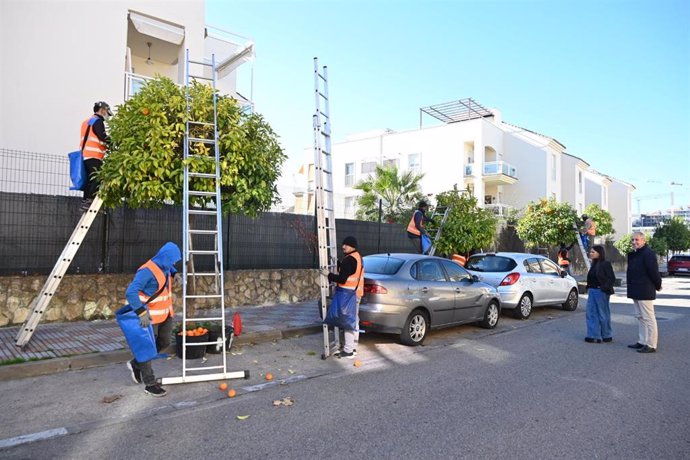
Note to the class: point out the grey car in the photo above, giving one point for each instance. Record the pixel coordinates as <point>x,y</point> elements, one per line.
<point>409,294</point>
<point>525,281</point>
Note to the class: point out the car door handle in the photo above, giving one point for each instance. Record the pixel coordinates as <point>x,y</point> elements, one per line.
<point>458,290</point>
<point>425,290</point>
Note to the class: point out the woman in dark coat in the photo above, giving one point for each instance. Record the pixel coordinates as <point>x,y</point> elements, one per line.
<point>600,280</point>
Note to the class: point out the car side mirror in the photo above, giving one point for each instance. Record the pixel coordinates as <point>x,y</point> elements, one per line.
<point>564,273</point>
<point>475,279</point>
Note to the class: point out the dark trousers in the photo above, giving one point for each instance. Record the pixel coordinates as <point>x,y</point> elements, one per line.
<point>162,333</point>
<point>416,241</point>
<point>92,165</point>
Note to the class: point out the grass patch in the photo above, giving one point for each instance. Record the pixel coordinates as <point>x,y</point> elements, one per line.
<point>8,362</point>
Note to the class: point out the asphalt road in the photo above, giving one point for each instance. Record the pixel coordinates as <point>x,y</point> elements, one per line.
<point>528,389</point>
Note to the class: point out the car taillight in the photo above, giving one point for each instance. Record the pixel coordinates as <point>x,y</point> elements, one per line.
<point>374,289</point>
<point>510,279</point>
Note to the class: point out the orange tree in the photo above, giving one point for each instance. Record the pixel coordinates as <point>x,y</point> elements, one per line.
<point>467,227</point>
<point>547,223</point>
<point>145,165</point>
<point>602,218</point>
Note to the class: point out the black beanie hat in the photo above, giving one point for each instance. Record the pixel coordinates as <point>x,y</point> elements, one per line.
<point>350,241</point>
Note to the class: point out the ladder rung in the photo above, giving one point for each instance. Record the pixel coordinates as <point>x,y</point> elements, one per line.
<point>204,368</point>
<point>201,156</point>
<point>204,232</point>
<point>199,211</point>
<point>210,318</point>
<point>201,63</point>
<point>199,139</point>
<point>203,274</point>
<point>204,296</point>
<point>202,123</point>
<point>196,344</point>
<point>202,252</point>
<point>206,175</point>
<point>200,77</point>
<point>199,193</point>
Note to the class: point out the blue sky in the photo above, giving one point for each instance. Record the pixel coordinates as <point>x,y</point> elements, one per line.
<point>608,79</point>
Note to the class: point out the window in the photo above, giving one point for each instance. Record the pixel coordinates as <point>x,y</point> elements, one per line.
<point>349,204</point>
<point>390,163</point>
<point>549,268</point>
<point>368,167</point>
<point>532,265</point>
<point>414,162</point>
<point>382,265</point>
<point>429,270</point>
<point>455,272</point>
<point>579,181</point>
<point>349,174</point>
<point>490,263</point>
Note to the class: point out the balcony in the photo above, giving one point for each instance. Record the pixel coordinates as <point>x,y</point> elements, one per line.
<point>499,209</point>
<point>495,172</point>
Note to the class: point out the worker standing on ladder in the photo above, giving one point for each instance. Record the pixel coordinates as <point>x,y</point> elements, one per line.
<point>415,229</point>
<point>590,231</point>
<point>350,277</point>
<point>94,143</point>
<point>154,277</point>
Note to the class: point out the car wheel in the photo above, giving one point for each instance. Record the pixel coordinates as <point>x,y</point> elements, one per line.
<point>571,302</point>
<point>415,328</point>
<point>524,307</point>
<point>490,316</point>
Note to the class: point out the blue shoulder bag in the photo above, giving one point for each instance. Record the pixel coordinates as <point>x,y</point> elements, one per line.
<point>77,170</point>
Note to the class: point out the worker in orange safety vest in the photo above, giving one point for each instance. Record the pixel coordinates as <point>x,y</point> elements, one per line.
<point>93,143</point>
<point>415,229</point>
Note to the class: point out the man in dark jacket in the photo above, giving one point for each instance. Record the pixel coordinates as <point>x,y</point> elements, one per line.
<point>643,280</point>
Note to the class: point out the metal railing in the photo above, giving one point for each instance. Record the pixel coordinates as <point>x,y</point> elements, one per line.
<point>493,168</point>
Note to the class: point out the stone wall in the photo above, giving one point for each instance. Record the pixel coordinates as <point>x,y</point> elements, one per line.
<point>86,297</point>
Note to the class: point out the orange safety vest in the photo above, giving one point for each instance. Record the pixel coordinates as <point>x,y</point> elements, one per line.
<point>161,306</point>
<point>356,280</point>
<point>94,147</point>
<point>412,228</point>
<point>563,258</point>
<point>459,259</point>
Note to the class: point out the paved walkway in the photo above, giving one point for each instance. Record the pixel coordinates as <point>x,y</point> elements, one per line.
<point>67,340</point>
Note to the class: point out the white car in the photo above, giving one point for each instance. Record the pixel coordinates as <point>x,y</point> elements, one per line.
<point>524,281</point>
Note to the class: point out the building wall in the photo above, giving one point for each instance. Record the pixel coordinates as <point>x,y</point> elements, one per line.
<point>532,167</point>
<point>620,205</point>
<point>59,57</point>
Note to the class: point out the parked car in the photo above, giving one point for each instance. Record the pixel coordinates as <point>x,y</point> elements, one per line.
<point>525,281</point>
<point>409,294</point>
<point>679,263</point>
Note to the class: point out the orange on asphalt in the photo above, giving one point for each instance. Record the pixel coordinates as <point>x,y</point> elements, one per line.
<point>232,393</point>
<point>223,386</point>
<point>357,363</point>
<point>269,376</point>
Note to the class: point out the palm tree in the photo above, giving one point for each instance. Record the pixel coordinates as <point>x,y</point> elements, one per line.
<point>399,194</point>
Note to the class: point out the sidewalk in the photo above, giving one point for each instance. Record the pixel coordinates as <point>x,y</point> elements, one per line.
<point>57,347</point>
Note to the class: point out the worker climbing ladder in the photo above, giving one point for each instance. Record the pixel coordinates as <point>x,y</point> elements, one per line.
<point>439,211</point>
<point>580,245</point>
<point>325,212</point>
<point>41,302</point>
<point>202,236</point>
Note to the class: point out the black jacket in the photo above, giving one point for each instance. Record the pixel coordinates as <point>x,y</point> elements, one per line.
<point>601,276</point>
<point>643,278</point>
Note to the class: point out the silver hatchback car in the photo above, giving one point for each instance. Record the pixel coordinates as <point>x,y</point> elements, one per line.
<point>525,281</point>
<point>409,294</point>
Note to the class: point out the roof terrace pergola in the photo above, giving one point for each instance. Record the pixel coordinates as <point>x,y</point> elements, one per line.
<point>455,111</point>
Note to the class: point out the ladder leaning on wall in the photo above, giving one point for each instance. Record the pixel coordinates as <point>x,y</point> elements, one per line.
<point>40,303</point>
<point>323,192</point>
<point>202,235</point>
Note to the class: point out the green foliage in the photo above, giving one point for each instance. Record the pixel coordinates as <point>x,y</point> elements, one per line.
<point>675,232</point>
<point>399,192</point>
<point>467,227</point>
<point>658,245</point>
<point>624,245</point>
<point>602,218</point>
<point>547,223</point>
<point>145,163</point>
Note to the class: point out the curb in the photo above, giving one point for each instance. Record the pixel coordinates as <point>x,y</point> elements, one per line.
<point>73,363</point>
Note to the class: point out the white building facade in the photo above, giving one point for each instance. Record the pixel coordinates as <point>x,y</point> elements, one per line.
<point>60,57</point>
<point>505,166</point>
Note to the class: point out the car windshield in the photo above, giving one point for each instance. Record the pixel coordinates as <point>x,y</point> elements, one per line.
<point>490,263</point>
<point>382,265</point>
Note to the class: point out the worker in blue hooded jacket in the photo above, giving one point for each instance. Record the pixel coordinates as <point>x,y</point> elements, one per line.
<point>150,296</point>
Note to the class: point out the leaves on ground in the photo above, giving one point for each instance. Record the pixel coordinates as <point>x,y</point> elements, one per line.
<point>287,401</point>
<point>242,417</point>
<point>110,398</point>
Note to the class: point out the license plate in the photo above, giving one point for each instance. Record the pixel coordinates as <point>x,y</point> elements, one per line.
<point>682,269</point>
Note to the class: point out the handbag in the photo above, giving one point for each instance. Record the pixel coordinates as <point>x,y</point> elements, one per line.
<point>141,340</point>
<point>77,170</point>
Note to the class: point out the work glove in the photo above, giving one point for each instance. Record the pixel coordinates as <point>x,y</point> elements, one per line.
<point>144,319</point>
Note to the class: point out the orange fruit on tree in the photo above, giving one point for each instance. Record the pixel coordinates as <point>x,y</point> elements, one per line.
<point>223,386</point>
<point>269,376</point>
<point>232,393</point>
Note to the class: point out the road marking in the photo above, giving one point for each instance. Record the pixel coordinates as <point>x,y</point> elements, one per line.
<point>27,438</point>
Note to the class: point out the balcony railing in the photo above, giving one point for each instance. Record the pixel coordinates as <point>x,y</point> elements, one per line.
<point>499,209</point>
<point>493,168</point>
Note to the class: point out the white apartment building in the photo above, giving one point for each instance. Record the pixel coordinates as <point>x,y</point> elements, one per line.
<point>505,166</point>
<point>59,57</point>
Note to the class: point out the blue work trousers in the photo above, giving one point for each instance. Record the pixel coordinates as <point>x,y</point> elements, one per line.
<point>598,314</point>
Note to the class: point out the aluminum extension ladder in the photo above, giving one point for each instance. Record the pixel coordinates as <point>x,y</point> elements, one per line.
<point>202,236</point>
<point>41,302</point>
<point>583,251</point>
<point>439,211</point>
<point>325,212</point>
